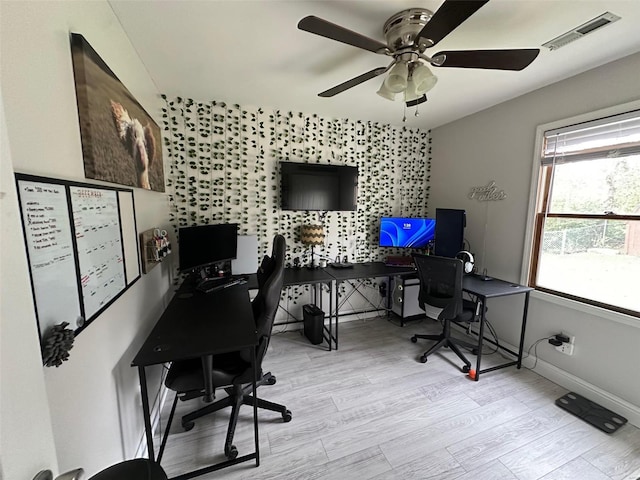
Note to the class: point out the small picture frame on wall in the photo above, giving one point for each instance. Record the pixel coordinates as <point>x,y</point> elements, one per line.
<point>120,141</point>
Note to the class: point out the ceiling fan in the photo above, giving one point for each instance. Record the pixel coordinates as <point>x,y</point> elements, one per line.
<point>408,34</point>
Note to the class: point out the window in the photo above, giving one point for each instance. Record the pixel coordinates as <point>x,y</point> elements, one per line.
<point>586,233</point>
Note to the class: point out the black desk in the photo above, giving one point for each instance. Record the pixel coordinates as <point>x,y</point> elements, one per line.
<point>361,271</point>
<point>198,325</point>
<point>306,276</point>
<point>484,290</point>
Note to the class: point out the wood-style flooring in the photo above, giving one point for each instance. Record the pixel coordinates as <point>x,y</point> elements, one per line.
<point>371,411</point>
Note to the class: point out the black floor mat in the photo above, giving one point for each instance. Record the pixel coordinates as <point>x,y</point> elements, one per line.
<point>591,412</point>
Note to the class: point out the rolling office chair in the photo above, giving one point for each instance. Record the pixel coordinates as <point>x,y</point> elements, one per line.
<point>441,288</point>
<point>232,371</point>
<point>137,469</point>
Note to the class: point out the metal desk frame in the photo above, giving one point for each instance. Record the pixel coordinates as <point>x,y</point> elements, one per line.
<point>315,277</point>
<point>332,277</point>
<point>483,290</point>
<point>361,271</point>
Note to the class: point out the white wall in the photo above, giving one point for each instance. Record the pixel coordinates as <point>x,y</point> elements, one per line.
<point>498,144</point>
<point>92,401</point>
<point>23,398</point>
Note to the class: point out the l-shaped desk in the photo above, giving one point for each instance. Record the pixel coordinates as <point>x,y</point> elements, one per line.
<point>473,285</point>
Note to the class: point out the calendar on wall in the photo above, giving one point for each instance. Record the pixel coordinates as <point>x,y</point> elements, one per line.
<point>81,246</point>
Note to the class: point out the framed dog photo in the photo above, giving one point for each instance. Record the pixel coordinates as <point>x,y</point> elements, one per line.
<point>120,141</point>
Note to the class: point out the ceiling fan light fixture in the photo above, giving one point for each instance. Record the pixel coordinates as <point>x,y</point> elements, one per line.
<point>396,81</point>
<point>409,33</point>
<point>423,79</point>
<point>410,92</point>
<point>384,92</point>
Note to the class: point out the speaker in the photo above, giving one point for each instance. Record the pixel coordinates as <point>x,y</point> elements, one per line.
<point>468,260</point>
<point>450,225</point>
<point>398,294</point>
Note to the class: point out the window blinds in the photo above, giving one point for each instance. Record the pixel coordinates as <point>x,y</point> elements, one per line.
<point>610,137</point>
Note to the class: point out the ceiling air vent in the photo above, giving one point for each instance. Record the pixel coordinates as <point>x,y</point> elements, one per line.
<point>579,32</point>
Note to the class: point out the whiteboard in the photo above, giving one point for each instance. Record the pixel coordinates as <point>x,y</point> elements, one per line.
<point>81,245</point>
<point>52,263</point>
<point>99,246</point>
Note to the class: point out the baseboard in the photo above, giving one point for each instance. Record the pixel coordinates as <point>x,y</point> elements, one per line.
<point>141,451</point>
<point>580,386</point>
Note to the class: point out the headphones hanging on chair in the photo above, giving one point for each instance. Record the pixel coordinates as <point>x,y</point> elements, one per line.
<point>468,260</point>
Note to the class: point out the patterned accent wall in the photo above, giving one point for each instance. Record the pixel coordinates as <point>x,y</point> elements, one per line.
<point>223,167</point>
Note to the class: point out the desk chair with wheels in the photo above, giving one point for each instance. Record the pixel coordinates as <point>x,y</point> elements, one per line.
<point>137,469</point>
<point>233,371</point>
<point>441,297</point>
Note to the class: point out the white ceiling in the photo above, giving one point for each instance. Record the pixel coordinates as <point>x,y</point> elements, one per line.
<point>251,52</point>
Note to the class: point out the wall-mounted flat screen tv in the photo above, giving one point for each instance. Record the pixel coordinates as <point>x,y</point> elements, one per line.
<point>204,245</point>
<point>314,186</point>
<point>406,232</point>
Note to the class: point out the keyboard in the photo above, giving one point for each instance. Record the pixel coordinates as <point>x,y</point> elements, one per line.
<point>216,284</point>
<point>399,261</point>
<point>341,265</point>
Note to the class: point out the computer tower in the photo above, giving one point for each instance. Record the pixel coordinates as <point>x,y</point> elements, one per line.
<point>404,298</point>
<point>313,323</point>
<point>450,225</point>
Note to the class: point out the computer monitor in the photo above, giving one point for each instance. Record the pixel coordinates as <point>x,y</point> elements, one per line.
<point>204,245</point>
<point>406,232</point>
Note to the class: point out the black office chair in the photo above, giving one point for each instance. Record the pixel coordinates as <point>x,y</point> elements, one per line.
<point>441,287</point>
<point>233,371</point>
<point>137,469</point>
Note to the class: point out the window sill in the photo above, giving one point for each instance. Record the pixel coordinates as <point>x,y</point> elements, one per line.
<point>588,309</point>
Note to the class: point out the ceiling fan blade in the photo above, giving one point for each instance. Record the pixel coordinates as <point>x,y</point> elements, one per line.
<point>353,82</point>
<point>516,59</point>
<point>448,17</point>
<point>330,30</point>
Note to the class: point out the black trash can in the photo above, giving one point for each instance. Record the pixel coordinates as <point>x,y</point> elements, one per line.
<point>313,323</point>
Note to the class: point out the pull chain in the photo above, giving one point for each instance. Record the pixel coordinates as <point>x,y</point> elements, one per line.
<point>417,114</point>
<point>404,112</point>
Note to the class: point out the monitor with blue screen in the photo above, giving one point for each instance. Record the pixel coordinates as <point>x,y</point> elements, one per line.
<point>406,232</point>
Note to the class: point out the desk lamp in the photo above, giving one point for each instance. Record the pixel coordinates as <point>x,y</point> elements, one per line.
<point>312,235</point>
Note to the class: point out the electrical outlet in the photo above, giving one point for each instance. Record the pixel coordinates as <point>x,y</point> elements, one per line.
<point>567,347</point>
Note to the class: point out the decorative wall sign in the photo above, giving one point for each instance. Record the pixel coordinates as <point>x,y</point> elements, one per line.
<point>81,246</point>
<point>120,141</point>
<point>487,193</point>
